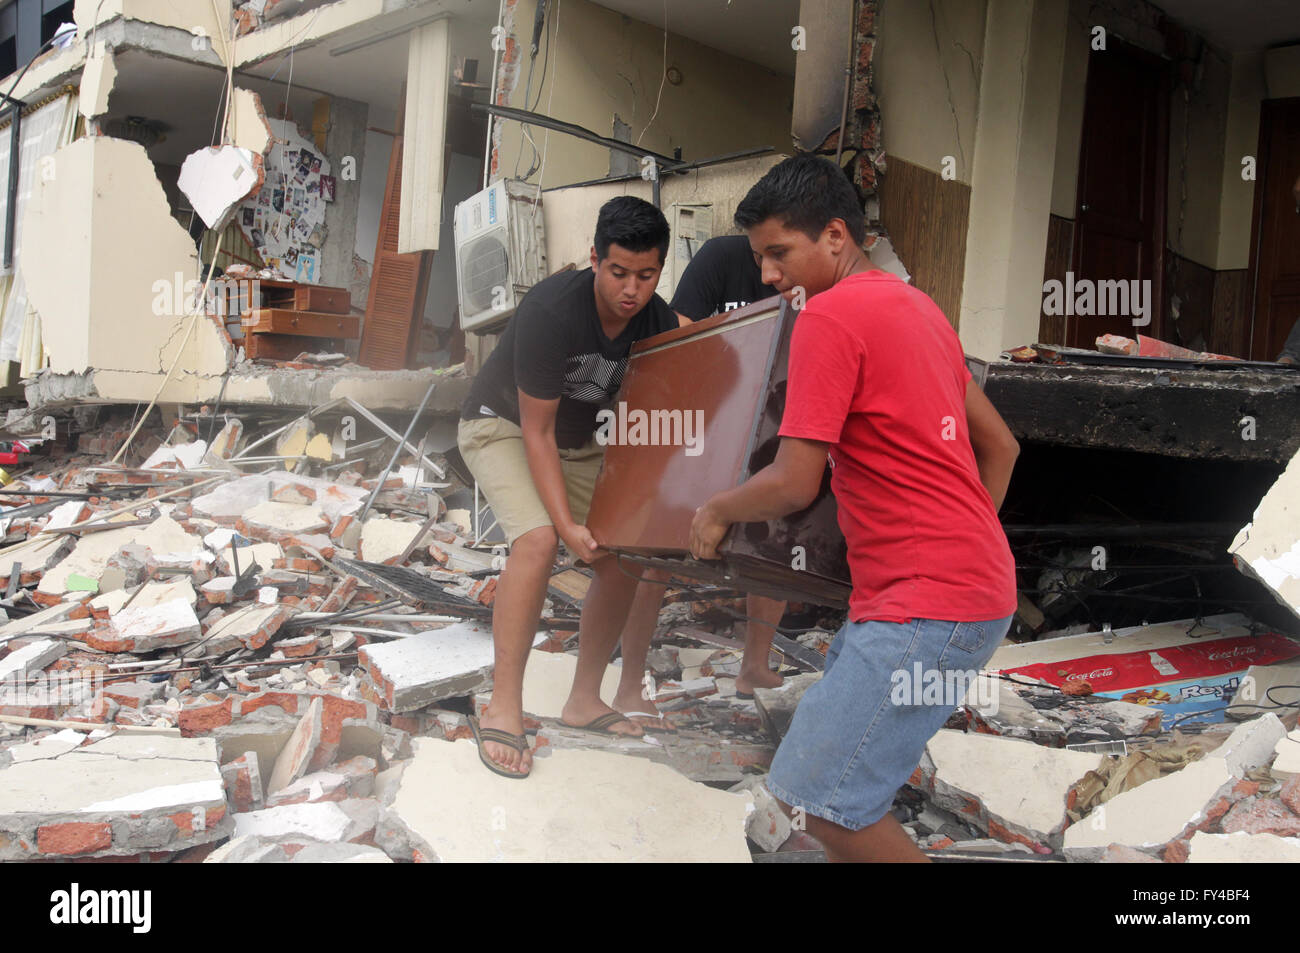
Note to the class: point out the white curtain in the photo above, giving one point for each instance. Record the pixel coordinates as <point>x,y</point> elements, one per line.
<point>43,131</point>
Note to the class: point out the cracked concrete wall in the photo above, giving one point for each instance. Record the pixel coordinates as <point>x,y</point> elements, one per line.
<point>608,65</point>
<point>927,71</point>
<point>102,257</point>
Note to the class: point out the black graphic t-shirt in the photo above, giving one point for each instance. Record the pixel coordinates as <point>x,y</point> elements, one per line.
<point>722,276</point>
<point>553,347</point>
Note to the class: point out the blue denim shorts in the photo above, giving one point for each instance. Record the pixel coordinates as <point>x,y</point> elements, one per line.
<point>860,731</point>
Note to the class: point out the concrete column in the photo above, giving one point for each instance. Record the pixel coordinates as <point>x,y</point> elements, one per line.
<point>1011,183</point>
<point>346,138</point>
<point>428,78</point>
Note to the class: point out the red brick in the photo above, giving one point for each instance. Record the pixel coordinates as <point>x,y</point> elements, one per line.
<point>1176,852</point>
<point>1290,794</point>
<point>73,837</point>
<point>1262,816</point>
<point>203,718</point>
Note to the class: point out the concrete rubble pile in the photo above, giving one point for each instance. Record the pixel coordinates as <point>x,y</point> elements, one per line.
<point>211,655</point>
<point>260,655</point>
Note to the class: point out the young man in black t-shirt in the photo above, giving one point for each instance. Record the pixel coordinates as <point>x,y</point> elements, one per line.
<point>722,276</point>
<point>527,433</point>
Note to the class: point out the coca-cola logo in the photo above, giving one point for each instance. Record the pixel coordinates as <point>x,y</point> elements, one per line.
<point>1095,673</point>
<point>1232,652</point>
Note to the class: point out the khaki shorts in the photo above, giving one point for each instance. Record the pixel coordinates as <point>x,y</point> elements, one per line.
<point>493,449</point>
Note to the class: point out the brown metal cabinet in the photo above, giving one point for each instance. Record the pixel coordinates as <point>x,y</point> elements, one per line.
<point>728,375</point>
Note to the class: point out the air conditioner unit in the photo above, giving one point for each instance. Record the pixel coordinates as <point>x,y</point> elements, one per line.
<point>691,226</point>
<point>500,252</point>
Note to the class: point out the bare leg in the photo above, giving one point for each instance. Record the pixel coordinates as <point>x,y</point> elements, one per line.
<point>521,590</point>
<point>884,842</point>
<point>604,613</point>
<point>637,635</point>
<point>754,671</point>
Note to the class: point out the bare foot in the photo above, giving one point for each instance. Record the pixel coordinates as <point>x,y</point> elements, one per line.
<point>748,680</point>
<point>519,762</point>
<point>581,711</point>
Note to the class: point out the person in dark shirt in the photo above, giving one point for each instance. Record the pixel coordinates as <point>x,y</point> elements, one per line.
<point>527,433</point>
<point>722,276</point>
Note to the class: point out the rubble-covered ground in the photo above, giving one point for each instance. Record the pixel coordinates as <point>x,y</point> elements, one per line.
<point>233,644</point>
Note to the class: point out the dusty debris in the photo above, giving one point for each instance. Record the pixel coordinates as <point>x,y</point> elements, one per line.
<point>218,586</point>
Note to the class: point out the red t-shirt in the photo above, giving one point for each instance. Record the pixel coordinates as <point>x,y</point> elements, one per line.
<point>877,372</point>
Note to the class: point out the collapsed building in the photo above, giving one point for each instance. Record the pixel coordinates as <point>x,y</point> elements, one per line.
<point>244,566</point>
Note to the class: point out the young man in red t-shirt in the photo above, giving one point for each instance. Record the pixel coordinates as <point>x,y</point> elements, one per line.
<point>920,464</point>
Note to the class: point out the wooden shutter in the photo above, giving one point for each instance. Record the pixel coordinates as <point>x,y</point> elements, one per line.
<point>398,286</point>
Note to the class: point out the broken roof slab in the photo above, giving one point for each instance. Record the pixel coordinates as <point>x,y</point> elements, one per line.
<point>255,385</point>
<point>1190,413</point>
<point>359,47</point>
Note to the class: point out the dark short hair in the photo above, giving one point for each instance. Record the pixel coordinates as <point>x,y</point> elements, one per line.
<point>804,193</point>
<point>634,224</point>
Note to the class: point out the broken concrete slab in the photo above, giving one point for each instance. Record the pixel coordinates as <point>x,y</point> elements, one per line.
<point>442,663</point>
<point>549,679</point>
<point>1251,744</point>
<point>217,179</point>
<point>777,705</point>
<point>327,821</point>
<point>250,626</point>
<point>1268,547</point>
<point>1153,814</point>
<point>447,807</point>
<point>1243,848</point>
<point>51,746</point>
<point>242,777</point>
<point>317,853</point>
<point>273,522</point>
<point>384,539</point>
<point>1015,790</point>
<point>151,627</point>
<point>92,552</point>
<point>26,661</point>
<point>33,558</point>
<point>248,849</point>
<point>122,795</point>
<point>1286,762</point>
<point>298,752</point>
<point>767,826</point>
<point>37,620</point>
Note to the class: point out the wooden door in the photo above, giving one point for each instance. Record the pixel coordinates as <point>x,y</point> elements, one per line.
<point>1275,241</point>
<point>398,285</point>
<point>1120,206</point>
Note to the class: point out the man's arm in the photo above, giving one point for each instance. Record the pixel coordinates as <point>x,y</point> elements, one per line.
<point>537,421</point>
<point>788,484</point>
<point>995,447</point>
<point>683,320</point>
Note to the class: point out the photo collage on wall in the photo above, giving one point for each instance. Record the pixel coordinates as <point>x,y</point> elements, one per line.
<point>285,220</point>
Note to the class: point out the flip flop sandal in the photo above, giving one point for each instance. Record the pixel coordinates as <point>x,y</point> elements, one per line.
<point>663,724</point>
<point>601,725</point>
<point>497,736</point>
